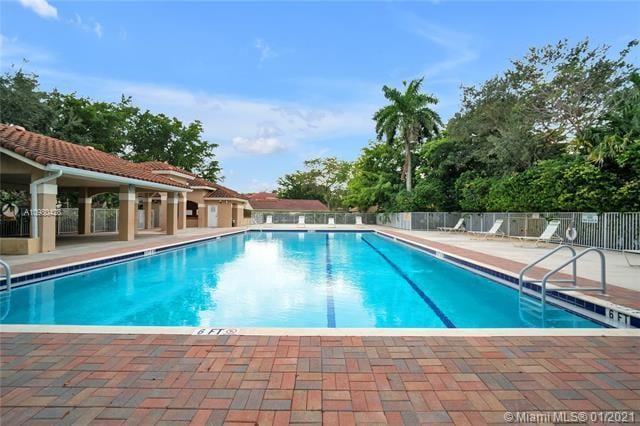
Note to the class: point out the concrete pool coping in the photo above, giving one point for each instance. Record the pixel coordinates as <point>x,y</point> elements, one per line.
<point>339,332</point>
<point>607,318</point>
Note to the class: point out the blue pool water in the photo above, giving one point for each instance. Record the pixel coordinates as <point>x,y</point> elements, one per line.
<point>283,279</point>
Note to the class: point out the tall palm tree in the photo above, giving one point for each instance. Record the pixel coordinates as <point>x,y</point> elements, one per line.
<point>409,116</point>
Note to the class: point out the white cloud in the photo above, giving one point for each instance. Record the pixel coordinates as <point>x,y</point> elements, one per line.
<point>91,26</point>
<point>241,126</point>
<point>97,28</point>
<point>259,145</point>
<point>41,7</point>
<point>266,52</point>
<point>459,47</point>
<point>261,186</point>
<point>14,52</point>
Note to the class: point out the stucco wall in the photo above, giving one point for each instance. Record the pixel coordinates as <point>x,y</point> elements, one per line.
<point>19,246</point>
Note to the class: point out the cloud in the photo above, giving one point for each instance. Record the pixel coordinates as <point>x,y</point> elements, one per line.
<point>97,28</point>
<point>240,125</point>
<point>459,47</point>
<point>14,52</point>
<point>266,52</point>
<point>41,7</point>
<point>92,26</point>
<point>257,185</point>
<point>259,145</point>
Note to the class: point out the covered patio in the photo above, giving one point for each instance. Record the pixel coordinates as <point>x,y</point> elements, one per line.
<point>47,169</point>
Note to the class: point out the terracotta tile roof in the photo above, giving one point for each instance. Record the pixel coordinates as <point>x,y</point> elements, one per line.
<point>198,181</point>
<point>219,191</point>
<point>262,196</point>
<point>224,192</point>
<point>290,205</point>
<point>47,150</point>
<point>161,165</point>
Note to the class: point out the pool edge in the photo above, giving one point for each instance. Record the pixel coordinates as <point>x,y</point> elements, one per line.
<point>337,332</point>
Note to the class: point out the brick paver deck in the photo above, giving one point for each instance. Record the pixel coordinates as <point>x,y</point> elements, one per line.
<point>146,379</point>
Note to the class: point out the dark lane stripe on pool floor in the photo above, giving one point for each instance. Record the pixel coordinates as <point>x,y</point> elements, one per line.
<point>331,310</point>
<point>445,320</point>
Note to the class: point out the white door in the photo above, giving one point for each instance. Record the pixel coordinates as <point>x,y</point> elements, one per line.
<point>213,216</point>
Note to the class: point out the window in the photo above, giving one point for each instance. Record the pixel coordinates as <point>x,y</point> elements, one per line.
<point>192,209</point>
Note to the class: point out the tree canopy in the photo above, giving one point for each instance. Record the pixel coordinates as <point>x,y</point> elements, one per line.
<point>323,179</point>
<point>119,128</point>
<point>558,130</point>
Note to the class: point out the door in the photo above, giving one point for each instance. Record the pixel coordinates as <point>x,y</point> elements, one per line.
<point>213,216</point>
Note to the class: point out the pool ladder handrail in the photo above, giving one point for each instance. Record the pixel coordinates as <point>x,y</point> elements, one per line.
<point>540,259</point>
<point>574,281</point>
<point>7,271</point>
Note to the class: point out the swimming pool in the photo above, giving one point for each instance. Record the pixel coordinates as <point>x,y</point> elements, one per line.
<point>283,279</point>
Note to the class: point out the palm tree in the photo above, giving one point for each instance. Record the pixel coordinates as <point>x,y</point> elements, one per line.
<point>409,116</point>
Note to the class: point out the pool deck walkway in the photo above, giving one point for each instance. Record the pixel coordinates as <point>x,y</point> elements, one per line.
<point>177,379</point>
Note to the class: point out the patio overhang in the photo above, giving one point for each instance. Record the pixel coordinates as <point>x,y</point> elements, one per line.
<point>105,179</point>
<point>234,200</point>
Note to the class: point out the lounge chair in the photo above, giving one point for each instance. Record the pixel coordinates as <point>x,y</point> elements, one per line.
<point>548,236</point>
<point>626,257</point>
<point>493,232</point>
<point>459,227</point>
<point>359,220</point>
<point>331,222</point>
<point>301,223</point>
<point>268,222</point>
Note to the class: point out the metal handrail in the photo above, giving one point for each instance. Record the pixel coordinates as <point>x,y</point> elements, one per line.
<point>7,270</point>
<point>574,259</point>
<point>535,262</point>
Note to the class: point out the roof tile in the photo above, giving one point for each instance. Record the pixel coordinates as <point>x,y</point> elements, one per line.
<point>47,150</point>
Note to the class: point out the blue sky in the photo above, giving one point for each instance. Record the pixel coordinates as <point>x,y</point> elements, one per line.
<point>277,83</point>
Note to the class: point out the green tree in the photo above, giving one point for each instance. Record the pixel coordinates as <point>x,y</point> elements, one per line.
<point>409,116</point>
<point>375,180</point>
<point>567,89</point>
<point>324,179</point>
<point>103,125</point>
<point>119,128</point>
<point>300,185</point>
<point>22,103</point>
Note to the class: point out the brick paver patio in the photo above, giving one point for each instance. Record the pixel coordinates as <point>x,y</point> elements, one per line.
<point>147,379</point>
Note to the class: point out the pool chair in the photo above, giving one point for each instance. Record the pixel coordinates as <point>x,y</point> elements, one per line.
<point>359,220</point>
<point>301,223</point>
<point>493,232</point>
<point>268,222</point>
<point>459,227</point>
<point>631,252</point>
<point>549,235</point>
<point>331,222</point>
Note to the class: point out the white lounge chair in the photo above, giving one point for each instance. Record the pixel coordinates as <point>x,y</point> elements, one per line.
<point>459,227</point>
<point>301,223</point>
<point>269,220</point>
<point>331,222</point>
<point>626,257</point>
<point>359,220</point>
<point>493,232</point>
<point>549,235</point>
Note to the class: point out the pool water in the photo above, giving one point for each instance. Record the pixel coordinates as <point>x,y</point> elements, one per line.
<point>283,279</point>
